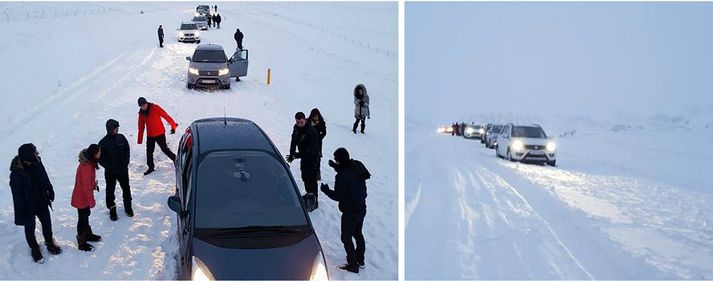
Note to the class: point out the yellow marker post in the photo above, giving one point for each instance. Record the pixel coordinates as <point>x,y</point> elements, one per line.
<point>268,76</point>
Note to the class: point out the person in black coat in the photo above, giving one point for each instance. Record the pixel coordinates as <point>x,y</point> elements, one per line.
<point>210,20</point>
<point>350,192</point>
<point>160,36</point>
<point>305,146</point>
<point>32,196</point>
<point>115,158</point>
<point>238,38</point>
<point>217,20</point>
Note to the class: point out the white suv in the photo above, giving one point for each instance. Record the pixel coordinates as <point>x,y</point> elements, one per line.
<point>188,32</point>
<point>526,143</point>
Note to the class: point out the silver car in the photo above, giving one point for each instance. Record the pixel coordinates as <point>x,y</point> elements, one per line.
<point>188,32</point>
<point>201,21</point>
<point>209,67</point>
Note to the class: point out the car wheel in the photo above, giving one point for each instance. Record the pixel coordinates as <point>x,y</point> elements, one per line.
<point>227,86</point>
<point>497,153</point>
<point>552,163</point>
<point>198,41</point>
<point>510,155</point>
<point>189,85</point>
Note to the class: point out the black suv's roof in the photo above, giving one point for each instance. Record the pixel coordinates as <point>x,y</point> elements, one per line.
<point>230,133</point>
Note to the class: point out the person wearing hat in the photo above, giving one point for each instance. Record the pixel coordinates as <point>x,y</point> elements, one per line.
<point>32,196</point>
<point>85,183</point>
<point>305,146</point>
<point>150,116</point>
<point>115,160</point>
<point>350,192</point>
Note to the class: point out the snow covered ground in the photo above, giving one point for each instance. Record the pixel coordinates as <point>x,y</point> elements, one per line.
<point>63,77</point>
<point>629,199</point>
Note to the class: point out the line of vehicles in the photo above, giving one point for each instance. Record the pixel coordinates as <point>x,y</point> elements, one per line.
<point>526,143</point>
<point>209,66</point>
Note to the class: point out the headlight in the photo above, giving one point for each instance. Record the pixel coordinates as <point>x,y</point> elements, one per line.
<point>517,145</point>
<point>319,270</point>
<point>200,271</point>
<point>469,131</point>
<point>223,71</point>
<point>193,71</point>
<point>196,34</point>
<point>551,146</point>
<point>482,131</point>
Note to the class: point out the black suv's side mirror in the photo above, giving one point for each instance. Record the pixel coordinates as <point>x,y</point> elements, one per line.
<point>174,203</point>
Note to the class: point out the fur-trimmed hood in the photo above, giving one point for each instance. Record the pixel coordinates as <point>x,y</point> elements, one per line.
<point>83,159</point>
<point>16,164</point>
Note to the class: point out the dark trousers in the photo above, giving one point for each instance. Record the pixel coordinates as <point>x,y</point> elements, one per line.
<point>43,213</point>
<point>240,45</point>
<point>160,42</point>
<point>83,221</point>
<point>111,178</point>
<point>151,145</point>
<point>218,24</point>
<point>356,123</point>
<point>352,223</point>
<point>311,187</point>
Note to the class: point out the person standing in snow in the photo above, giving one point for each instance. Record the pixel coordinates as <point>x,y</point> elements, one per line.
<point>350,192</point>
<point>317,121</point>
<point>210,20</point>
<point>115,160</point>
<point>217,19</point>
<point>150,116</point>
<point>32,197</point>
<point>238,36</point>
<point>216,8</point>
<point>85,183</point>
<point>305,146</point>
<point>361,107</point>
<point>160,36</point>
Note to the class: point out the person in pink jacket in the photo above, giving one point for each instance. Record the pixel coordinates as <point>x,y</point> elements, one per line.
<point>85,183</point>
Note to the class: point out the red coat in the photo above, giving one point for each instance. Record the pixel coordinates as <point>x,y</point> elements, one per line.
<point>152,122</point>
<point>84,183</point>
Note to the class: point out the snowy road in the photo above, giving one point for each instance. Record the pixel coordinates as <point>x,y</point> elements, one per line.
<point>471,215</point>
<point>315,62</point>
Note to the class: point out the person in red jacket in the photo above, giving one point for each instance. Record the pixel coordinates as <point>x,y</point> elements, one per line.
<point>85,183</point>
<point>150,117</point>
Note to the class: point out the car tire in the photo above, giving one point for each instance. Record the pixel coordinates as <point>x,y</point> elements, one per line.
<point>198,41</point>
<point>496,153</point>
<point>552,163</point>
<point>510,156</point>
<point>227,86</point>
<point>189,85</point>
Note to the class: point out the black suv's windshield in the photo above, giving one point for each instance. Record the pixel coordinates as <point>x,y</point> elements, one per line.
<point>528,132</point>
<point>200,18</point>
<point>209,56</point>
<point>189,26</point>
<point>245,189</point>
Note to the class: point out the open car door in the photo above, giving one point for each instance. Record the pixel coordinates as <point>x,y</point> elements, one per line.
<point>238,64</point>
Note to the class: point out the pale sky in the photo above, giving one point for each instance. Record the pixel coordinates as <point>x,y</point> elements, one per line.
<point>589,59</point>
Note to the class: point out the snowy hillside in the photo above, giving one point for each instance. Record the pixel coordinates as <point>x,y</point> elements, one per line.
<point>64,77</point>
<point>634,203</point>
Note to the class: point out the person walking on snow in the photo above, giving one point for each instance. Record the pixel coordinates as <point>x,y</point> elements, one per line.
<point>160,36</point>
<point>217,19</point>
<point>32,197</point>
<point>85,183</point>
<point>361,107</point>
<point>350,192</point>
<point>115,160</point>
<point>150,118</point>
<point>238,38</point>
<point>305,146</point>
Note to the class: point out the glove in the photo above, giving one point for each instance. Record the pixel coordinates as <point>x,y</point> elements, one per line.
<point>50,195</point>
<point>173,131</point>
<point>332,164</point>
<point>368,117</point>
<point>289,158</point>
<point>324,187</point>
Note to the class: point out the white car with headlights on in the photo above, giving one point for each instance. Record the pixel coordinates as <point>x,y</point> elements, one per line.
<point>526,143</point>
<point>188,32</point>
<point>473,132</point>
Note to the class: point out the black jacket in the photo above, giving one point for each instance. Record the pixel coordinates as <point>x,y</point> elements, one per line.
<point>218,18</point>
<point>349,187</point>
<point>31,189</point>
<point>115,155</point>
<point>321,128</point>
<point>306,140</point>
<point>160,33</point>
<point>238,36</point>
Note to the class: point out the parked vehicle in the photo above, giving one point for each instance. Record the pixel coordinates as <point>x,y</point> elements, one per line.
<point>202,10</point>
<point>473,132</point>
<point>209,67</point>
<point>201,21</point>
<point>240,213</point>
<point>526,143</point>
<point>492,135</point>
<point>188,32</point>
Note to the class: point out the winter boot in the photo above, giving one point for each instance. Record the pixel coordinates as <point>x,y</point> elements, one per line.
<point>149,171</point>
<point>82,243</point>
<point>53,248</point>
<point>91,237</point>
<point>362,127</point>
<point>350,268</point>
<point>129,211</point>
<point>112,214</point>
<point>37,254</point>
<point>355,127</point>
